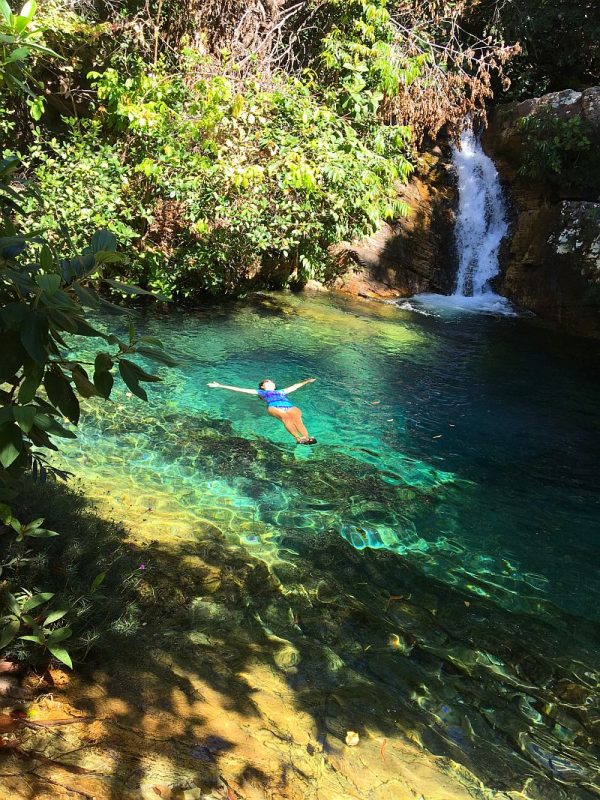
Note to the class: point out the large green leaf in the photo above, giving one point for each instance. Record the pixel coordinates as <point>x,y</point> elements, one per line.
<point>156,354</point>
<point>47,260</point>
<point>36,600</point>
<point>128,289</point>
<point>8,632</point>
<point>5,10</point>
<point>12,356</point>
<point>61,394</point>
<point>104,381</point>
<point>105,257</point>
<point>87,297</point>
<point>11,442</point>
<point>82,382</point>
<point>33,377</point>
<point>103,240</point>
<point>129,374</point>
<point>54,616</point>
<point>59,635</point>
<point>28,10</point>
<point>52,426</point>
<point>61,655</point>
<point>103,362</point>
<point>34,336</point>
<point>49,283</point>
<point>25,417</point>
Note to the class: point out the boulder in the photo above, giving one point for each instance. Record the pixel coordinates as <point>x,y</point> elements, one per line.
<point>412,254</point>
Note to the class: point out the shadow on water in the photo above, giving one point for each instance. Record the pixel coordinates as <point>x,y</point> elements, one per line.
<point>360,640</point>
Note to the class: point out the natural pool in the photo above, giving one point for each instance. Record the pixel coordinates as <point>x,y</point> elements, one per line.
<point>447,520</point>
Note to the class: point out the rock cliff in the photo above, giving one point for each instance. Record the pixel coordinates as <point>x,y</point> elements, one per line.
<point>413,254</point>
<point>551,264</point>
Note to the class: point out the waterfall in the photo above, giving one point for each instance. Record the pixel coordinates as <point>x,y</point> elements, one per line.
<point>481,225</point>
<point>481,219</point>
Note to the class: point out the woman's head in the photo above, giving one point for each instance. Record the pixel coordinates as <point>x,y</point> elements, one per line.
<point>267,385</point>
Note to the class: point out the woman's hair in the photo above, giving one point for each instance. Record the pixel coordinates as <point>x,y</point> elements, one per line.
<point>266,380</point>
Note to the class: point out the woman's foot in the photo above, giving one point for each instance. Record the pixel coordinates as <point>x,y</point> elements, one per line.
<point>307,440</point>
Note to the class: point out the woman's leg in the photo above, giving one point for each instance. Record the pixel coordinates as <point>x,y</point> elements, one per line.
<point>287,420</point>
<point>298,422</point>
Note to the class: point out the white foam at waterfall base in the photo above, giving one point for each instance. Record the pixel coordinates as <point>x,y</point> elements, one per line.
<point>481,225</point>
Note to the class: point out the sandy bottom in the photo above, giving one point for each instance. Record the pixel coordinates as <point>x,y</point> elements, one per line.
<point>206,713</point>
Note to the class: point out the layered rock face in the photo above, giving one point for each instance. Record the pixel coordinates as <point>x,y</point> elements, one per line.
<point>413,254</point>
<point>551,263</point>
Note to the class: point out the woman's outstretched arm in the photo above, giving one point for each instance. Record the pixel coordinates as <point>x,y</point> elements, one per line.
<point>215,385</point>
<point>299,385</point>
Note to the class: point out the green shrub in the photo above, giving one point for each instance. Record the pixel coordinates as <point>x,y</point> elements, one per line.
<point>213,185</point>
<point>556,151</point>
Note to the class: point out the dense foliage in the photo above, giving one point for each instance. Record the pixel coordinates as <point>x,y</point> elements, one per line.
<point>237,154</point>
<point>560,42</point>
<point>46,287</point>
<point>557,151</point>
<point>213,186</point>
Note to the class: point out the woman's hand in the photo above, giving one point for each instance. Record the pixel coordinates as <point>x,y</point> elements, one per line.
<point>213,385</point>
<point>309,380</point>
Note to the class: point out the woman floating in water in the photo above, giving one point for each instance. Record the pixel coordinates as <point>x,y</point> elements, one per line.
<point>278,405</point>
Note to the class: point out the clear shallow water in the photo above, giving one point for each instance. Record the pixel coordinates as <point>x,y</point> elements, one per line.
<point>458,456</point>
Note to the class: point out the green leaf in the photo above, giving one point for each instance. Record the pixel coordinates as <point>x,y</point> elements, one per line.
<point>126,288</point>
<point>49,283</point>
<point>61,394</point>
<point>156,355</point>
<point>10,601</point>
<point>140,373</point>
<point>83,329</point>
<point>37,638</point>
<point>53,427</point>
<point>152,341</point>
<point>47,261</point>
<point>24,417</point>
<point>129,374</point>
<point>103,362</point>
<point>103,380</point>
<point>36,108</point>
<point>36,600</point>
<point>28,10</point>
<point>11,442</point>
<point>98,580</point>
<point>105,257</point>
<point>59,635</point>
<point>40,533</point>
<point>8,632</point>
<point>61,655</point>
<point>33,378</point>
<point>5,513</point>
<point>54,616</point>
<point>5,11</point>
<point>103,240</point>
<point>87,297</point>
<point>82,382</point>
<point>34,336</point>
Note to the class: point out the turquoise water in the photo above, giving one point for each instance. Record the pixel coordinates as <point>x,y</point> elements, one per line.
<point>456,470</point>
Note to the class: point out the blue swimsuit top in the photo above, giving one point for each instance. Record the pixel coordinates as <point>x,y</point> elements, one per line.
<point>275,399</point>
